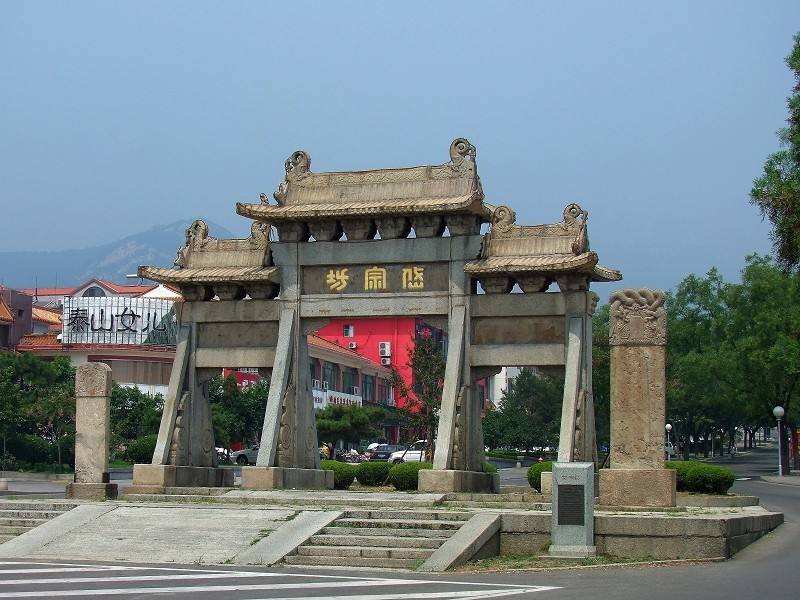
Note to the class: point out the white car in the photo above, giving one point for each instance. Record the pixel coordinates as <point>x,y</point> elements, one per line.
<point>415,453</point>
<point>244,457</point>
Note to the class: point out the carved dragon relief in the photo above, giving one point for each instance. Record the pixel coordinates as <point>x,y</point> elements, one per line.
<point>638,318</point>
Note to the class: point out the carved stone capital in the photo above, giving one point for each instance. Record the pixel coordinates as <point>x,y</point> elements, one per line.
<point>638,318</point>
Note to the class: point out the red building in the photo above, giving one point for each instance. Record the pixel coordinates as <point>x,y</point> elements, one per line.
<point>386,341</point>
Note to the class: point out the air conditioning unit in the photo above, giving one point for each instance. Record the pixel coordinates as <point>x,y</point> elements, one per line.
<point>355,390</point>
<point>352,345</point>
<point>385,349</point>
<point>386,361</point>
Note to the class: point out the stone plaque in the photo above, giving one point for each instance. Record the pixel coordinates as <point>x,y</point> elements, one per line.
<point>376,279</point>
<point>570,504</point>
<point>572,524</point>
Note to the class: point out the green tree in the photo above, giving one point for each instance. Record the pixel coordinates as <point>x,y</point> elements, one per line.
<point>764,340</point>
<point>423,399</point>
<point>349,423</point>
<point>601,376</point>
<point>777,191</point>
<point>133,414</point>
<point>50,402</point>
<point>530,411</point>
<point>10,404</point>
<point>237,413</point>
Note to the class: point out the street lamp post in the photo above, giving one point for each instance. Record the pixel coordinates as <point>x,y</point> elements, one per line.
<point>668,427</point>
<point>779,412</point>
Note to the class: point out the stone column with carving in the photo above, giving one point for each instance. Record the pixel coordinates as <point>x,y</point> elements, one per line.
<point>92,433</point>
<point>638,337</point>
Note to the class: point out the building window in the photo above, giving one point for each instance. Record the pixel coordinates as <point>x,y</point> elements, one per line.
<point>368,388</point>
<point>329,375</point>
<point>94,292</point>
<point>349,331</point>
<point>350,380</point>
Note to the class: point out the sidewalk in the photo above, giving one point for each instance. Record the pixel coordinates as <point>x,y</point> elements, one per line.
<point>793,479</point>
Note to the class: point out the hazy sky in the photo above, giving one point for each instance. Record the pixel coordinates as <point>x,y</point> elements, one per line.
<point>655,117</point>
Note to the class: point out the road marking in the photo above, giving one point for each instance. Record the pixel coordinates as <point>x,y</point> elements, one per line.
<point>480,593</point>
<point>743,479</point>
<point>170,576</point>
<point>475,594</point>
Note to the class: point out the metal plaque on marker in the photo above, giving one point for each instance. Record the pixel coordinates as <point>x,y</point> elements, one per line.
<point>572,525</point>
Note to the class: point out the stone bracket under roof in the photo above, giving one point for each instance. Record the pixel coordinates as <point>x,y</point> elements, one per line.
<point>228,268</point>
<point>386,201</point>
<point>534,256</point>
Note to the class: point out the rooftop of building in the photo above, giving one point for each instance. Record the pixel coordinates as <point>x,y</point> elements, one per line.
<point>119,289</point>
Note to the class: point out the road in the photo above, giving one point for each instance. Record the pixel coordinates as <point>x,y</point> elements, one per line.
<point>769,568</point>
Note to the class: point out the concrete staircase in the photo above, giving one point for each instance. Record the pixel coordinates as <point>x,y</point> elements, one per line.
<point>17,517</point>
<point>386,539</point>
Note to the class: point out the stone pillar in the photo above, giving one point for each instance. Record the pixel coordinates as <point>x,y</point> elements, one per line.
<point>638,337</point>
<point>92,433</point>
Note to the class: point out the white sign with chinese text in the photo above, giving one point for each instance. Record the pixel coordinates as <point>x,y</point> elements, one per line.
<point>119,320</point>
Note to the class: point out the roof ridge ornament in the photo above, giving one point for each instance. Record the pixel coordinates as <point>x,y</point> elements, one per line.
<point>460,150</point>
<point>297,166</point>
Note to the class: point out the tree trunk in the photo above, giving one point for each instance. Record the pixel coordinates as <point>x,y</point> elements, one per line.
<point>794,445</point>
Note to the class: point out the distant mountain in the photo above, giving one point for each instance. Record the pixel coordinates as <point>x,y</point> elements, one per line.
<point>156,246</point>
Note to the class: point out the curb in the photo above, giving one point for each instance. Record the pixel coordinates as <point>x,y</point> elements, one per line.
<point>649,563</point>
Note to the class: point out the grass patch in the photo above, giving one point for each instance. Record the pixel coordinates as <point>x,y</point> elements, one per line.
<point>543,561</point>
<point>262,533</point>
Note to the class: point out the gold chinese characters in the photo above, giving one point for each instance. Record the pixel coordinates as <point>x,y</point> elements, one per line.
<point>337,279</point>
<point>377,278</point>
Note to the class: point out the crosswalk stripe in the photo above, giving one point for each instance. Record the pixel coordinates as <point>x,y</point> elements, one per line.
<point>133,577</point>
<point>282,586</point>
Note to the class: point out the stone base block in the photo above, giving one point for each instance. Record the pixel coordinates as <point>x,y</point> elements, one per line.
<point>435,480</point>
<point>286,478</point>
<point>91,491</point>
<point>162,476</point>
<point>637,487</point>
<point>547,484</point>
<point>572,551</point>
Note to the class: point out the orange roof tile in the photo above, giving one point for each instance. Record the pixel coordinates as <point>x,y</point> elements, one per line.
<point>39,339</point>
<point>5,312</point>
<point>45,315</point>
<point>51,291</point>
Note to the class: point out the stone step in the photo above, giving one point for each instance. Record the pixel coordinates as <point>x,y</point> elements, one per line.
<point>13,529</point>
<point>408,515</point>
<point>50,506</point>
<point>500,505</point>
<point>198,491</point>
<point>28,514</point>
<point>375,541</point>
<point>531,496</point>
<point>11,521</point>
<point>387,531</point>
<point>365,552</point>
<point>340,561</point>
<point>321,501</point>
<point>430,524</point>
<point>4,538</point>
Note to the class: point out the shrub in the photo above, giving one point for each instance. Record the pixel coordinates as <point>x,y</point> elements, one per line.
<point>695,476</point>
<point>489,468</point>
<point>535,473</point>
<point>8,462</point>
<point>373,473</point>
<point>141,450</point>
<point>403,476</point>
<point>343,473</point>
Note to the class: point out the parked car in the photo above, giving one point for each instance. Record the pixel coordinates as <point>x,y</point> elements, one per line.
<point>382,452</point>
<point>245,457</point>
<point>414,453</point>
